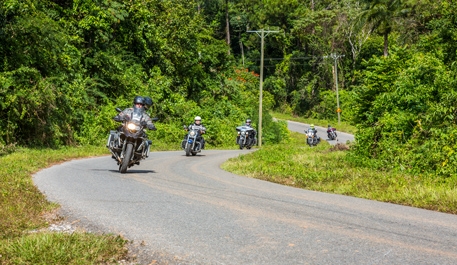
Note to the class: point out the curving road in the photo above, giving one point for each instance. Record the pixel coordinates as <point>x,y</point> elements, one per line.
<point>186,210</point>
<point>321,132</point>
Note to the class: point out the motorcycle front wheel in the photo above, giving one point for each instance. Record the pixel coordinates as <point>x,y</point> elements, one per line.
<point>310,143</point>
<point>188,147</point>
<point>126,160</point>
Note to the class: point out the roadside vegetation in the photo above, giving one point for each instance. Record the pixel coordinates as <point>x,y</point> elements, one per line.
<point>25,215</point>
<point>332,169</point>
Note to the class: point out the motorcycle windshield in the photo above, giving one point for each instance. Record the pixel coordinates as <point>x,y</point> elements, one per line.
<point>244,128</point>
<point>137,115</point>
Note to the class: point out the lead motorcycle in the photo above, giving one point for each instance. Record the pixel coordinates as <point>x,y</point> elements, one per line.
<point>311,139</point>
<point>129,144</point>
<point>245,137</point>
<point>190,144</point>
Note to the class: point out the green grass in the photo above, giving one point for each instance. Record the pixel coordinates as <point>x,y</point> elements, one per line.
<point>61,248</point>
<point>342,126</point>
<point>22,209</point>
<point>328,169</point>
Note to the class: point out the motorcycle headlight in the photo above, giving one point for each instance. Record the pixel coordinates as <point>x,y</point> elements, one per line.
<point>132,127</point>
<point>192,133</point>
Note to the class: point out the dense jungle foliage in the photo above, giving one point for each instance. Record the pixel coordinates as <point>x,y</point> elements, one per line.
<point>66,64</point>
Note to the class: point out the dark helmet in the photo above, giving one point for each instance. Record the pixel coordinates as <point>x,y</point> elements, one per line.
<point>147,102</point>
<point>138,99</point>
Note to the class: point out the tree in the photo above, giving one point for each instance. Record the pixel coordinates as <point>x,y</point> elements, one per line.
<point>381,16</point>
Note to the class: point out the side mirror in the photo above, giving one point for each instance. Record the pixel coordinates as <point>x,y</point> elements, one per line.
<point>118,110</point>
<point>155,119</point>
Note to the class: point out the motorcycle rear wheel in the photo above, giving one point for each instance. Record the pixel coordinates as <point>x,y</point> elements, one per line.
<point>126,160</point>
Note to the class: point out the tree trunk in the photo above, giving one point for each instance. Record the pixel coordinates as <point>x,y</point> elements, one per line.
<point>386,44</point>
<point>242,51</point>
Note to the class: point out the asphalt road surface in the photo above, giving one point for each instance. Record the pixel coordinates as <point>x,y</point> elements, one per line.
<point>186,210</point>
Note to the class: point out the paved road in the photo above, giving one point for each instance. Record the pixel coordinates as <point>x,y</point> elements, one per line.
<point>321,132</point>
<point>187,210</point>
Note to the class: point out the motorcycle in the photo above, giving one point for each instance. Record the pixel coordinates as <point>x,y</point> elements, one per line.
<point>311,139</point>
<point>245,137</point>
<point>129,144</point>
<point>331,133</point>
<point>190,143</point>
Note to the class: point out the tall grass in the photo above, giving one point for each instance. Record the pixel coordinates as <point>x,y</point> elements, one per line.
<point>61,248</point>
<point>329,169</point>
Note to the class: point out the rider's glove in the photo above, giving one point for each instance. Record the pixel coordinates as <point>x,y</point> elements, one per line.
<point>118,118</point>
<point>152,127</point>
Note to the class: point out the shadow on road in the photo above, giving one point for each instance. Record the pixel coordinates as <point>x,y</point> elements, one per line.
<point>135,171</point>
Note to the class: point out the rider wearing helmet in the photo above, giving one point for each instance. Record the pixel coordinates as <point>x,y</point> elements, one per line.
<point>147,103</point>
<point>138,105</point>
<point>254,132</point>
<point>198,124</point>
<point>311,127</point>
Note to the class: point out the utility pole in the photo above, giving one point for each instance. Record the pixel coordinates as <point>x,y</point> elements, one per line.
<point>335,57</point>
<point>263,34</point>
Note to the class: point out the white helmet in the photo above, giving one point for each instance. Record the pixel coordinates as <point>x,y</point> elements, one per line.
<point>198,118</point>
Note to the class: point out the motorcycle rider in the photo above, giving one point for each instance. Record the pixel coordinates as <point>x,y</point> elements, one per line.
<point>147,103</point>
<point>198,125</point>
<point>331,132</point>
<point>254,132</point>
<point>311,127</point>
<point>138,105</point>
